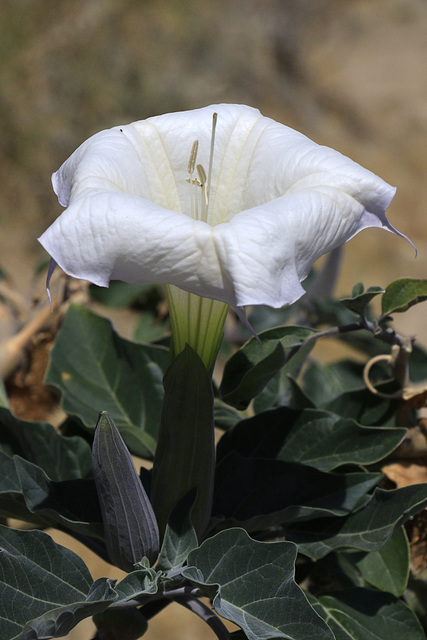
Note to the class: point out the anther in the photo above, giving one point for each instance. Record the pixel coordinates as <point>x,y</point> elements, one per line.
<point>193,157</point>
<point>202,175</point>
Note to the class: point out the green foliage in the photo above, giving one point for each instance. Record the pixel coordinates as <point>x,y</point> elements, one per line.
<point>402,294</point>
<point>388,568</point>
<point>361,614</point>
<point>315,437</point>
<point>368,528</point>
<point>45,589</point>
<point>258,361</point>
<point>305,468</point>
<point>225,568</point>
<point>103,372</point>
<point>360,298</point>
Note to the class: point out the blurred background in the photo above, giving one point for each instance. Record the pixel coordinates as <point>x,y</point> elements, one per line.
<point>350,74</point>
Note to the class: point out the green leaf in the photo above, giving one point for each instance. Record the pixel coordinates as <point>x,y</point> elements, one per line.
<point>120,294</point>
<point>186,450</point>
<point>369,529</point>
<point>60,502</point>
<point>148,329</point>
<point>388,568</point>
<point>252,584</point>
<point>249,370</point>
<point>402,294</point>
<point>45,589</point>
<point>326,441</point>
<point>314,437</point>
<point>282,391</point>
<point>361,614</point>
<point>257,493</point>
<point>103,372</point>
<point>365,407</point>
<point>324,383</point>
<point>339,387</point>
<point>142,582</point>
<point>12,503</point>
<point>360,298</point>
<point>180,536</point>
<point>225,417</point>
<point>60,457</point>
<point>51,455</point>
<point>121,624</point>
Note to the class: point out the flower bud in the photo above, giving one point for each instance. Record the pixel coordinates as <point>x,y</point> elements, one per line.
<point>130,525</point>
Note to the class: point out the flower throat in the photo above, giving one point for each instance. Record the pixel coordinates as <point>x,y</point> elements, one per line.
<point>200,184</point>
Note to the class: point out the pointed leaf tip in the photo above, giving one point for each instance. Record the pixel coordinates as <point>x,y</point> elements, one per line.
<point>131,530</point>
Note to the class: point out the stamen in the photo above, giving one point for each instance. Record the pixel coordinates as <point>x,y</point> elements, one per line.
<point>204,195</point>
<point>193,157</point>
<point>202,181</point>
<point>202,174</point>
<point>191,180</point>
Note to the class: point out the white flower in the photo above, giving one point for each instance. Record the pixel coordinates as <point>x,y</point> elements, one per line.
<point>241,223</point>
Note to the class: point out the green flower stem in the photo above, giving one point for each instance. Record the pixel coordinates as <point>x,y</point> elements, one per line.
<point>196,321</point>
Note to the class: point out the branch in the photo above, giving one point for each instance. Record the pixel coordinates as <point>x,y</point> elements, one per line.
<point>206,614</point>
<point>387,335</point>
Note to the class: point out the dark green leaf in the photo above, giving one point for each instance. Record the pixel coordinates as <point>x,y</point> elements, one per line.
<point>61,458</point>
<point>282,391</point>
<point>388,568</point>
<point>326,441</point>
<point>339,387</point>
<point>12,503</point>
<point>402,294</point>
<point>365,407</point>
<point>360,298</point>
<point>45,589</point>
<point>361,614</point>
<point>369,529</point>
<point>225,417</point>
<point>324,383</point>
<point>120,294</point>
<point>149,329</point>
<point>103,372</point>
<point>130,526</point>
<point>254,365</point>
<point>259,437</point>
<point>318,438</point>
<point>60,502</point>
<point>258,493</point>
<point>180,537</point>
<point>185,453</point>
<point>252,584</point>
<point>142,582</point>
<point>120,624</point>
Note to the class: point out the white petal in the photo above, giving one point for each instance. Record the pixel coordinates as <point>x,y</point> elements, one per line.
<point>278,201</point>
<point>105,236</point>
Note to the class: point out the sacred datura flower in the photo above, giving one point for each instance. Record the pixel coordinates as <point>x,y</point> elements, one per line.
<point>221,202</point>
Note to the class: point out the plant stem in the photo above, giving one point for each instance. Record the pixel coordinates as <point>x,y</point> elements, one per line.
<point>387,335</point>
<point>206,614</point>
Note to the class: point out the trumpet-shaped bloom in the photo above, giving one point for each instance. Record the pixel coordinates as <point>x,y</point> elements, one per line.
<point>236,213</point>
